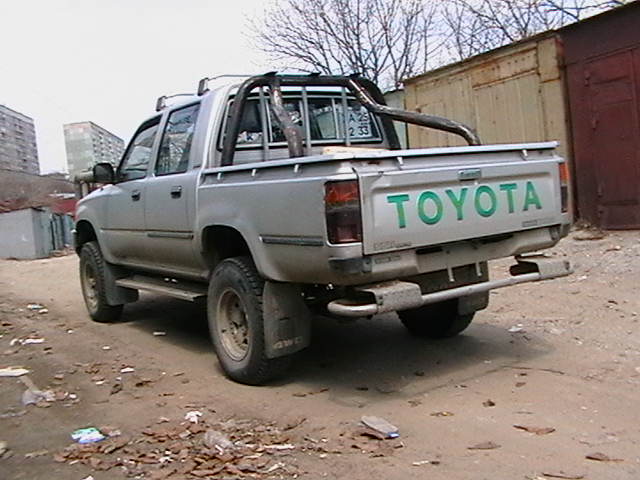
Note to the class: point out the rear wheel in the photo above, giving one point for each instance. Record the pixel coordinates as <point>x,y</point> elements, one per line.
<point>92,281</point>
<point>234,311</point>
<point>437,320</point>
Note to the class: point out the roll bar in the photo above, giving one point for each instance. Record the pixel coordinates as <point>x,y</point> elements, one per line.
<point>367,93</point>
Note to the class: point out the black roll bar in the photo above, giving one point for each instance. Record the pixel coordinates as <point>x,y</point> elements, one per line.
<point>364,90</point>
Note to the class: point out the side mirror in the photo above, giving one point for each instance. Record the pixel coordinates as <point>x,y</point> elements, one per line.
<point>103,173</point>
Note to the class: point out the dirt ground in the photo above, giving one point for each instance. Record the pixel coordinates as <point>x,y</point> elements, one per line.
<point>560,358</point>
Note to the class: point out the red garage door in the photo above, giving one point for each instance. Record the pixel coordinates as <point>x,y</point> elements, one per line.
<point>603,78</point>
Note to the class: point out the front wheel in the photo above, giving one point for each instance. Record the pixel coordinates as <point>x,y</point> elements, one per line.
<point>234,311</point>
<point>92,281</point>
<point>437,320</point>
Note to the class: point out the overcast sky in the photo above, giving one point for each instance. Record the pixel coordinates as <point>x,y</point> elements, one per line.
<point>107,61</point>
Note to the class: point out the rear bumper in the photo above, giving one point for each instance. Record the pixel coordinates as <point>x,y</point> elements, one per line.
<point>400,295</point>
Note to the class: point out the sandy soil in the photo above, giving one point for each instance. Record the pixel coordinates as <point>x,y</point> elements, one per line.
<point>572,363</point>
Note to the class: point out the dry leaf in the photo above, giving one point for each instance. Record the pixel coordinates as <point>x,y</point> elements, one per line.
<point>561,474</point>
<point>536,430</point>
<point>601,457</point>
<point>489,403</point>
<point>442,414</point>
<point>484,446</point>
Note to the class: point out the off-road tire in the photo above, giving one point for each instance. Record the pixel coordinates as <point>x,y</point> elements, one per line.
<point>95,298</point>
<point>237,279</point>
<point>438,320</point>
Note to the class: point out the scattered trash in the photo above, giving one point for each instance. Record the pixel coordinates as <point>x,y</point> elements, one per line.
<point>488,403</point>
<point>116,388</point>
<point>561,474</point>
<point>442,414</point>
<point>26,341</point>
<point>380,425</point>
<point>42,311</point>
<point>37,453</point>
<point>3,447</point>
<point>484,446</point>
<point>87,435</point>
<point>13,371</point>
<point>601,457</point>
<point>516,329</point>
<point>286,446</point>
<point>176,449</point>
<point>590,235</point>
<point>36,397</point>
<point>127,370</point>
<point>159,334</point>
<point>386,387</point>
<point>520,384</point>
<point>193,416</point>
<point>35,306</point>
<point>535,430</point>
<point>106,347</point>
<point>214,438</point>
<point>12,414</point>
<point>414,402</point>
<point>425,462</point>
<point>89,477</point>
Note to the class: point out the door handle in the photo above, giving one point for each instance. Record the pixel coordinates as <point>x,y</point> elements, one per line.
<point>135,195</point>
<point>176,191</point>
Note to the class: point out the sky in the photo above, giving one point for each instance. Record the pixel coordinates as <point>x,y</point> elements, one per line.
<point>107,61</point>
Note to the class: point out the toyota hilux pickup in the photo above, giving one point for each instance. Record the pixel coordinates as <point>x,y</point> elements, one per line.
<point>274,198</point>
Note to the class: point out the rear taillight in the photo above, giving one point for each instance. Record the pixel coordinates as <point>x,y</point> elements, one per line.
<point>342,210</point>
<point>563,170</point>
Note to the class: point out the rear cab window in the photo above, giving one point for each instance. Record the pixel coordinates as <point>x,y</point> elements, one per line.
<point>326,125</point>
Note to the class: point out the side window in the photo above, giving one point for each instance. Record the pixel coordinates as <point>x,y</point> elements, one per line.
<point>175,147</point>
<point>136,160</point>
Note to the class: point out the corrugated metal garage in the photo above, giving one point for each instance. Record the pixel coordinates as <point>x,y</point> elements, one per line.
<point>511,94</point>
<point>579,85</point>
<point>602,58</point>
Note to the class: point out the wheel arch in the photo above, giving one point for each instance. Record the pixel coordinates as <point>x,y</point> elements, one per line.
<point>219,242</point>
<point>84,232</point>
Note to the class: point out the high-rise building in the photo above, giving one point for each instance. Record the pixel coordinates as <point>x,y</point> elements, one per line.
<point>87,144</point>
<point>18,150</point>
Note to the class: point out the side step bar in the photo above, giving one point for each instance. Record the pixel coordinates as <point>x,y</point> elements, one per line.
<point>397,295</point>
<point>183,290</point>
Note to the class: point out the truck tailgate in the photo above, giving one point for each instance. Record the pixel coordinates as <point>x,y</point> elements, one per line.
<point>417,204</point>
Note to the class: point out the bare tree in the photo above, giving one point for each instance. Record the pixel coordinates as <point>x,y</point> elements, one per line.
<point>391,40</point>
<point>476,26</point>
<point>384,40</point>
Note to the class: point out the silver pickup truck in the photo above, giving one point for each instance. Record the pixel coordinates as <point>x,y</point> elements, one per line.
<point>279,197</point>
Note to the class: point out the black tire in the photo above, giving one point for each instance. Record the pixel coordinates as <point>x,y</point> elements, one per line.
<point>92,281</point>
<point>234,311</point>
<point>438,320</point>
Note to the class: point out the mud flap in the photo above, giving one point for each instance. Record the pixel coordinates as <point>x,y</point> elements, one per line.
<point>287,320</point>
<point>117,295</point>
